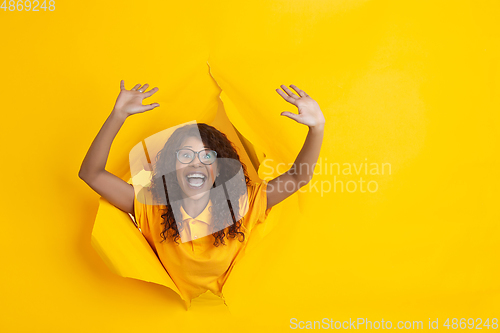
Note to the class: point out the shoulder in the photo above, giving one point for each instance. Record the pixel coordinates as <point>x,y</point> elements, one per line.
<point>145,211</point>
<point>253,205</point>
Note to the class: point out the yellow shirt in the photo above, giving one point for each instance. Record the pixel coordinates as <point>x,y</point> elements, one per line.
<point>197,265</point>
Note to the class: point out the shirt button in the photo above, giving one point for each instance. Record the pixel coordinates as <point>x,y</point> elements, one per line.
<point>195,237</point>
<point>193,222</point>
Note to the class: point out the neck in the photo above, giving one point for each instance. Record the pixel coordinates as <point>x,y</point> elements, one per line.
<point>195,206</point>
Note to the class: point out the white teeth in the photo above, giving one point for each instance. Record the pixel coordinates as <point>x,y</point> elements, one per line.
<point>196,179</point>
<point>195,175</point>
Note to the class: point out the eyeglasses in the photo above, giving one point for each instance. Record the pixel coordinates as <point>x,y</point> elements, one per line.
<point>186,156</point>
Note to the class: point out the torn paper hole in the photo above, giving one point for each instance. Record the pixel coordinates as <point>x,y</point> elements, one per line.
<point>123,246</point>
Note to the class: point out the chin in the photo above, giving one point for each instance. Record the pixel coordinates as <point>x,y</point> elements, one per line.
<point>198,196</point>
<point>195,193</point>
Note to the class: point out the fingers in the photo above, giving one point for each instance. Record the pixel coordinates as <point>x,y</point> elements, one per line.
<point>140,88</point>
<point>293,116</point>
<point>149,107</point>
<point>291,97</point>
<point>151,92</point>
<point>299,91</point>
<point>288,91</point>
<point>143,88</point>
<point>285,96</point>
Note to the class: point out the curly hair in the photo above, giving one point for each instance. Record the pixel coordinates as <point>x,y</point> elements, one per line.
<point>164,176</point>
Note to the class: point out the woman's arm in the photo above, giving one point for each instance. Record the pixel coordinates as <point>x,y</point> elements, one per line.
<point>302,169</point>
<point>92,171</point>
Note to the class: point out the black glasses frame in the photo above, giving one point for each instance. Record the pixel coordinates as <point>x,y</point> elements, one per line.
<point>196,154</point>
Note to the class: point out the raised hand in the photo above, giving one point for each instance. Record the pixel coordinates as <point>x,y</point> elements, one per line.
<point>130,101</point>
<point>309,112</point>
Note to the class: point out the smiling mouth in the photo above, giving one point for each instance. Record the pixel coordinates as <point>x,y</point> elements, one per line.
<point>196,179</point>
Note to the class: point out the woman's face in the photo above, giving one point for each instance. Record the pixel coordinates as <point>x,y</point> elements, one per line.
<point>195,179</point>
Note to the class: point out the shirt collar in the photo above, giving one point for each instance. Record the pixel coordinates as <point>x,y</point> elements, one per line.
<point>205,216</point>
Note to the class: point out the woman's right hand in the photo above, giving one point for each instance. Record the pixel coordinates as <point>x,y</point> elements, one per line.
<point>130,101</point>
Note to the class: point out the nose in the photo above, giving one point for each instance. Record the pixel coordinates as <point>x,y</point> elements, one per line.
<point>196,161</point>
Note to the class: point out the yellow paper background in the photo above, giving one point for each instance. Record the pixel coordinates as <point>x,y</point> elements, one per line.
<point>413,84</point>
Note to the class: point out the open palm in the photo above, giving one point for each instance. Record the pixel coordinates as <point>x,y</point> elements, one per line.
<point>129,102</point>
<point>309,112</point>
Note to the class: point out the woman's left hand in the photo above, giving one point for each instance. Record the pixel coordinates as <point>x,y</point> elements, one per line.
<point>309,112</point>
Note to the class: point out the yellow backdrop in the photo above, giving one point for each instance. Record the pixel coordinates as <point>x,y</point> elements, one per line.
<point>410,92</point>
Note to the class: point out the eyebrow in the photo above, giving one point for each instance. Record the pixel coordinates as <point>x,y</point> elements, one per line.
<point>192,147</point>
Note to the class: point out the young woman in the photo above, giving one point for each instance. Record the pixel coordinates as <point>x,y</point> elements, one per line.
<point>197,233</point>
